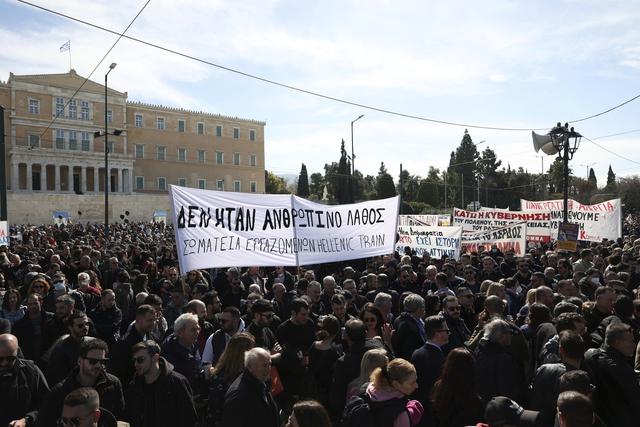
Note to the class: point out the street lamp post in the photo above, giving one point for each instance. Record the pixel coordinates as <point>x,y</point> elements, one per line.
<point>107,175</point>
<point>353,162</point>
<point>588,166</point>
<point>563,141</point>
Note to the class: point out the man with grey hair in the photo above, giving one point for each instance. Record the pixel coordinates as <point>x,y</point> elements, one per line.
<point>497,372</point>
<point>384,302</point>
<point>180,348</point>
<point>248,401</point>
<point>328,291</point>
<point>409,332</point>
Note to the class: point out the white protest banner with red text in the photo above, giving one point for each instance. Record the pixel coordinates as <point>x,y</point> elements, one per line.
<point>538,223</point>
<point>512,237</point>
<point>599,221</point>
<point>436,241</point>
<point>223,229</point>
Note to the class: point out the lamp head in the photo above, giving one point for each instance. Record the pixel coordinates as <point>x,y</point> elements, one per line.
<point>112,66</point>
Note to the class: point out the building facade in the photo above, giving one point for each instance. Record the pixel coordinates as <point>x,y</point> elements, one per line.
<point>51,145</point>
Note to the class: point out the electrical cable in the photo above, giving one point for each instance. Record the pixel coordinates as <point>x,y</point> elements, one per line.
<point>309,92</point>
<point>94,69</point>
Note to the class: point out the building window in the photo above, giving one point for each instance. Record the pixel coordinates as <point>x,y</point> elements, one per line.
<point>219,130</point>
<point>253,160</point>
<point>138,120</point>
<point>73,109</point>
<point>34,106</point>
<point>182,154</point>
<point>220,185</point>
<point>60,139</point>
<point>109,116</point>
<point>160,123</point>
<point>252,135</point>
<point>202,184</point>
<point>139,182</point>
<point>200,128</point>
<point>84,110</point>
<point>86,144</point>
<point>162,183</point>
<point>201,156</point>
<point>111,147</point>
<point>59,107</point>
<point>34,141</point>
<point>73,140</point>
<point>254,186</point>
<point>236,133</point>
<point>162,153</point>
<point>237,186</point>
<point>236,159</point>
<point>182,182</point>
<point>219,157</point>
<point>181,126</point>
<point>139,151</point>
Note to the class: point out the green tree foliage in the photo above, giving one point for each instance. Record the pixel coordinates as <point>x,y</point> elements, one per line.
<point>465,165</point>
<point>593,181</point>
<point>338,178</point>
<point>384,184</point>
<point>429,189</point>
<point>316,187</point>
<point>303,182</point>
<point>410,184</point>
<point>629,191</point>
<point>274,184</point>
<point>611,187</point>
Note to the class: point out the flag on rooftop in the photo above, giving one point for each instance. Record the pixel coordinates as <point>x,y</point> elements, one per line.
<point>66,46</point>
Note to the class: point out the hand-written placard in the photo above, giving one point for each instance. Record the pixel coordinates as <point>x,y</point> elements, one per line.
<point>512,237</point>
<point>436,241</point>
<point>220,229</point>
<point>4,233</point>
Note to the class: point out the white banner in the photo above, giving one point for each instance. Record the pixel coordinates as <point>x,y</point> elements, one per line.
<point>436,241</point>
<point>4,233</point>
<point>538,223</point>
<point>510,237</point>
<point>599,221</point>
<point>222,229</point>
<point>415,220</point>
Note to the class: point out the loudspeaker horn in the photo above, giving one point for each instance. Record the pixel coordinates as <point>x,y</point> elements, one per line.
<point>544,143</point>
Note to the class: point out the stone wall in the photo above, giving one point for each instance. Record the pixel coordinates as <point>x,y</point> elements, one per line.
<point>37,208</point>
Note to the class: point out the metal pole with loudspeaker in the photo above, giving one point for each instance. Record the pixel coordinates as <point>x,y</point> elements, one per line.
<point>563,141</point>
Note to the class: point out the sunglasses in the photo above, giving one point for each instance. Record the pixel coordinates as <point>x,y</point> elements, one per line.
<point>93,361</point>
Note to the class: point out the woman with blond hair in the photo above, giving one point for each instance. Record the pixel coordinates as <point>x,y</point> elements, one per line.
<point>388,391</point>
<point>372,359</point>
<point>228,368</point>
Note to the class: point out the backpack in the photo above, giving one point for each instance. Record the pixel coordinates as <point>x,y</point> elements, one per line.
<point>361,411</point>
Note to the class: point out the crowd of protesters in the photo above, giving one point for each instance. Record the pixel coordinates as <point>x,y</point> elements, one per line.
<point>94,330</point>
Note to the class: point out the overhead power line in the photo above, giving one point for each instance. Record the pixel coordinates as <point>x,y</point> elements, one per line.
<point>317,94</point>
<point>609,151</point>
<point>120,35</point>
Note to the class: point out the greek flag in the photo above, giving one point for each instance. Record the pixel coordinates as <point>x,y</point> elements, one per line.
<point>66,46</point>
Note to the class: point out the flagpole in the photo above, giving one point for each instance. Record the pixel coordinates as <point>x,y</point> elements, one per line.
<point>70,68</point>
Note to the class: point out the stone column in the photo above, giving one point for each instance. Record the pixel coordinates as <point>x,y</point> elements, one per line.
<point>130,180</point>
<point>43,177</point>
<point>15,176</point>
<point>121,180</point>
<point>70,179</point>
<point>96,179</point>
<point>83,179</point>
<point>56,169</point>
<point>29,178</point>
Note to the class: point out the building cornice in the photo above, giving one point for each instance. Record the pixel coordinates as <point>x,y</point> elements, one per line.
<point>161,107</point>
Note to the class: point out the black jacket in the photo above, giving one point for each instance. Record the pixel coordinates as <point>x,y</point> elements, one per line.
<point>497,372</point>
<point>173,401</point>
<point>32,345</point>
<point>184,361</point>
<point>249,403</point>
<point>120,362</point>
<point>617,395</point>
<point>22,392</point>
<point>544,391</point>
<point>407,338</point>
<point>108,387</point>
<point>428,361</point>
<point>459,333</point>
<point>107,323</point>
<point>64,357</point>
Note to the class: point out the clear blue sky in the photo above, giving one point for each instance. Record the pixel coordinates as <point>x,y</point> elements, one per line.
<point>496,63</point>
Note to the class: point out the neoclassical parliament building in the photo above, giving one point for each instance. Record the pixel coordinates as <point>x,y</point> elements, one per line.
<point>54,150</point>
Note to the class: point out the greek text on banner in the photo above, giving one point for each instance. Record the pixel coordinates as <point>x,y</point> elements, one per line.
<point>597,222</point>
<point>221,229</point>
<point>436,241</point>
<point>538,223</point>
<point>512,237</point>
